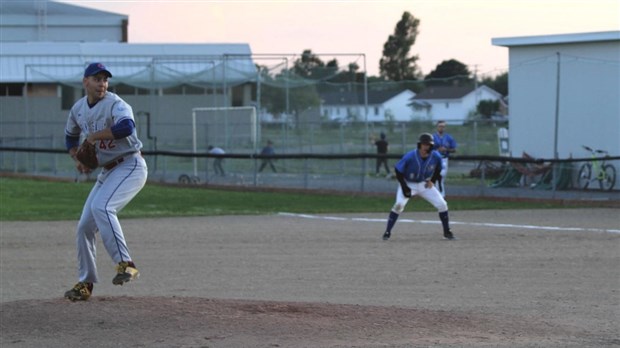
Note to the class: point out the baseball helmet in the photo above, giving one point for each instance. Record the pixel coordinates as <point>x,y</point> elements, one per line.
<point>426,138</point>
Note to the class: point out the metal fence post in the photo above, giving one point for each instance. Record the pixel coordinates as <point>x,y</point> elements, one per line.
<point>363,179</point>
<point>305,172</point>
<point>341,140</point>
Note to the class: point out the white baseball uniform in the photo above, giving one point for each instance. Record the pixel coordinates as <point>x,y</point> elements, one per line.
<point>123,175</point>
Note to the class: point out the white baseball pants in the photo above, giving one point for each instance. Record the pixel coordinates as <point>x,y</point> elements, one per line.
<point>111,193</point>
<point>431,195</point>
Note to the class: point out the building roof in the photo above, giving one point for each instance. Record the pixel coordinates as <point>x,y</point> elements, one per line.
<point>357,98</point>
<point>450,92</point>
<point>444,92</point>
<point>557,39</point>
<point>141,65</point>
<point>103,49</point>
<point>27,12</point>
<point>78,39</point>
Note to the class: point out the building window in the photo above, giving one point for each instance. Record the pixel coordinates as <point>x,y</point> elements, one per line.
<point>237,95</point>
<point>123,89</point>
<point>376,111</point>
<point>189,89</point>
<point>68,96</point>
<point>173,90</point>
<point>11,89</point>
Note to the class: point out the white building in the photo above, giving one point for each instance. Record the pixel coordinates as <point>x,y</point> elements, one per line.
<point>46,45</point>
<point>382,106</point>
<point>567,84</point>
<point>41,20</point>
<point>450,103</point>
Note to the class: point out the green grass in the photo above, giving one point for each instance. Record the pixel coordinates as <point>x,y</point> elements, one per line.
<point>41,200</point>
<point>472,140</point>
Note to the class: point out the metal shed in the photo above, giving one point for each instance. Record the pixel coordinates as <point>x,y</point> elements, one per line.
<point>564,93</point>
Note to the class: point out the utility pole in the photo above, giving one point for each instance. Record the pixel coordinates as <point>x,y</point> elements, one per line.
<point>476,108</point>
<point>557,123</point>
<point>476,82</point>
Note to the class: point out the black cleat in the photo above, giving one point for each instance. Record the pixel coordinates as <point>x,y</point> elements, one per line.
<point>80,292</point>
<point>386,235</point>
<point>448,235</point>
<point>125,272</point>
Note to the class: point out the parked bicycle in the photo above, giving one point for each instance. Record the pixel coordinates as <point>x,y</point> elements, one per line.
<point>597,170</point>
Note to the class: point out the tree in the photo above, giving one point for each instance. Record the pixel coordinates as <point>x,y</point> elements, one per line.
<point>487,108</point>
<point>310,66</point>
<point>281,94</point>
<point>271,97</point>
<point>349,77</point>
<point>499,83</point>
<point>396,63</point>
<point>448,73</point>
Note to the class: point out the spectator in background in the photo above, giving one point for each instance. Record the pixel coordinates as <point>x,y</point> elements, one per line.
<point>382,149</point>
<point>267,151</point>
<point>445,145</point>
<point>217,161</point>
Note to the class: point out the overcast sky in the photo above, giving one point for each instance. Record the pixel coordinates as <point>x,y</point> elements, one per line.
<point>449,29</point>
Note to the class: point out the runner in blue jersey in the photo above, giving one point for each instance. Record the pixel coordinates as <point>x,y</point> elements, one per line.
<point>445,145</point>
<point>416,173</point>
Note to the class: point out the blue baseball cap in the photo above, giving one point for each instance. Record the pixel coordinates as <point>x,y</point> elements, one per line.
<point>95,68</point>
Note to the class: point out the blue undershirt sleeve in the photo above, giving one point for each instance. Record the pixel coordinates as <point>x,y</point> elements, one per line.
<point>123,129</point>
<point>71,142</point>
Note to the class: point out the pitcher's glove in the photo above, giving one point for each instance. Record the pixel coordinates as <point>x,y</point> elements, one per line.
<point>87,155</point>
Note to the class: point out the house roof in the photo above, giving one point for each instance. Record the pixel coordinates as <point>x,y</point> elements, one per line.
<point>556,39</point>
<point>444,92</point>
<point>357,98</point>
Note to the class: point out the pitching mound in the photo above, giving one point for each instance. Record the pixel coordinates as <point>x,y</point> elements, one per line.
<point>199,322</point>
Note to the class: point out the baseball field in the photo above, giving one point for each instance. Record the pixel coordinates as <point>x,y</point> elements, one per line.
<point>514,278</point>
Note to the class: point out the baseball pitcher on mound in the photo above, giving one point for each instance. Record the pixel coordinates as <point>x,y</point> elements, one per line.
<point>107,123</point>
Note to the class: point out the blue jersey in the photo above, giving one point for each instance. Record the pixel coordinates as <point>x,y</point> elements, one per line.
<point>416,169</point>
<point>267,151</point>
<point>444,140</point>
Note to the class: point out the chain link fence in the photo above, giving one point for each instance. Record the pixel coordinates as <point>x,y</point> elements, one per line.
<point>320,118</point>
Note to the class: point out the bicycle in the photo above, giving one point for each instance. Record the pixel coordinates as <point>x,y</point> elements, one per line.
<point>597,170</point>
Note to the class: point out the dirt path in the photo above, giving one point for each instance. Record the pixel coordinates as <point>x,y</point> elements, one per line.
<point>513,279</point>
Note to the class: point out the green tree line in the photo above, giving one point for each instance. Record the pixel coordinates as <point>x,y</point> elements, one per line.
<point>309,76</point>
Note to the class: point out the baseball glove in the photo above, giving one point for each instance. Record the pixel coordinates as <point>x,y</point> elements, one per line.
<point>87,155</point>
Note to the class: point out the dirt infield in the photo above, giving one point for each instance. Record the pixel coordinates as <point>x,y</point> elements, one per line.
<point>530,278</point>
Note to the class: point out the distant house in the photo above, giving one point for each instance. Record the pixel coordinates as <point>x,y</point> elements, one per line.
<point>450,103</point>
<point>382,106</point>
